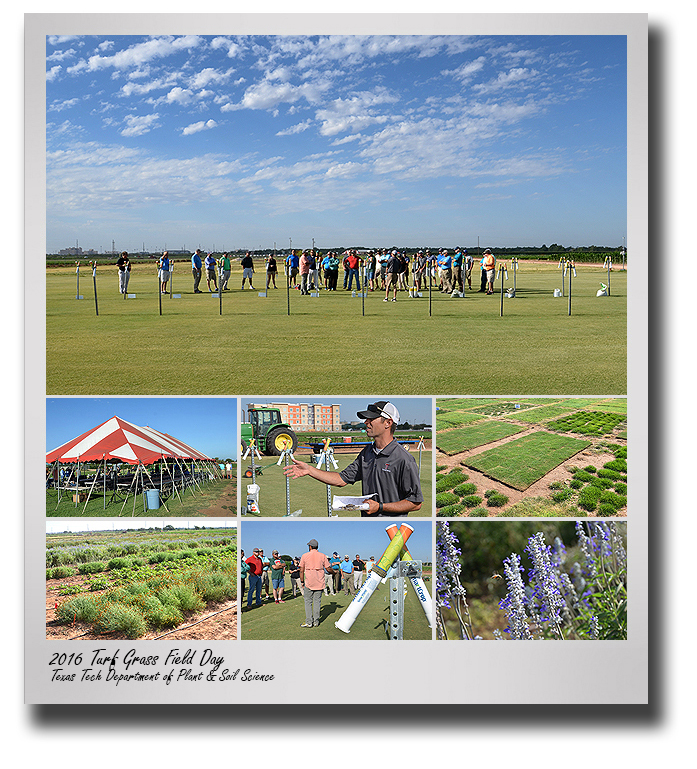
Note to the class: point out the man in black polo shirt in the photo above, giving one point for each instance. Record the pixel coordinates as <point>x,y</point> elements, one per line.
<point>385,468</point>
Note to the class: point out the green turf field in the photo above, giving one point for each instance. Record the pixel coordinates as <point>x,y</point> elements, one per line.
<point>220,493</point>
<point>311,495</point>
<point>272,621</point>
<point>326,344</point>
<point>525,460</point>
<point>464,438</point>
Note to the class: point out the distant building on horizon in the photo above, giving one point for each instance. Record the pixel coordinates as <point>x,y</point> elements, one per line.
<point>307,417</point>
<point>77,251</point>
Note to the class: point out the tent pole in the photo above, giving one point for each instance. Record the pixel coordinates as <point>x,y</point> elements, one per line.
<point>89,494</point>
<point>128,492</point>
<point>77,482</point>
<point>104,482</point>
<point>174,485</point>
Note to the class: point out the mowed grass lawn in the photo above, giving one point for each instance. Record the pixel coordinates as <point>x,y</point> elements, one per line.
<point>525,460</point>
<point>465,438</point>
<point>311,495</point>
<point>272,621</point>
<point>186,503</point>
<point>326,344</point>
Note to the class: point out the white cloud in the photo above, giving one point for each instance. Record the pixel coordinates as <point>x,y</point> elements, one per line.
<point>467,71</point>
<point>59,106</point>
<point>101,179</point>
<point>514,76</point>
<point>355,113</point>
<point>210,75</point>
<point>137,125</point>
<point>59,39</point>
<point>225,43</point>
<point>53,73</point>
<point>202,125</point>
<point>61,55</point>
<point>141,53</point>
<point>266,95</point>
<point>179,96</point>
<point>295,129</point>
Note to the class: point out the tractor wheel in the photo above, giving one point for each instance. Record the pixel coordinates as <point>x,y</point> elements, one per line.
<point>244,446</point>
<point>280,438</point>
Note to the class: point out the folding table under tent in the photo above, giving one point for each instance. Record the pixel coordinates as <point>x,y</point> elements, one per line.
<point>119,441</point>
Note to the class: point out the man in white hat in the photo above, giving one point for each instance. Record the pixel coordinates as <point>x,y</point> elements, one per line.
<point>385,468</point>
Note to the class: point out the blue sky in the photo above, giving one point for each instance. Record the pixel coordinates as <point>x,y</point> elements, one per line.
<point>413,410</point>
<point>239,142</point>
<point>206,424</point>
<point>364,537</point>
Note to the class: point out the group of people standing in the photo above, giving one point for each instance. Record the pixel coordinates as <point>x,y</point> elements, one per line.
<point>385,270</point>
<point>312,575</point>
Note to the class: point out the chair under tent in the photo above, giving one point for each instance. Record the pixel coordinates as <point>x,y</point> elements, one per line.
<point>113,459</point>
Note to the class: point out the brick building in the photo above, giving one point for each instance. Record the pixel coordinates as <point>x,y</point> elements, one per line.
<point>307,417</point>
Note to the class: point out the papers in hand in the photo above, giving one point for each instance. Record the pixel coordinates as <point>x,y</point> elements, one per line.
<point>350,503</point>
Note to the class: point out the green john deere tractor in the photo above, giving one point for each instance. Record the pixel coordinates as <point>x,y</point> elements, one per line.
<point>270,434</point>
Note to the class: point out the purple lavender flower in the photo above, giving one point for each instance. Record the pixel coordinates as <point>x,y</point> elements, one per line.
<point>514,602</point>
<point>544,580</point>
<point>447,566</point>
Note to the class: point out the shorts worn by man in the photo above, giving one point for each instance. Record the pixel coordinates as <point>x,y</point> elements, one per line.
<point>388,472</point>
<point>312,568</point>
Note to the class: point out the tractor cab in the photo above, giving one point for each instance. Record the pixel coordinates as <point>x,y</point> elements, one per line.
<point>271,434</point>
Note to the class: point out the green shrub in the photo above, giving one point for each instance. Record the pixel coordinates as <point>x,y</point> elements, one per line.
<point>575,483</point>
<point>621,488</point>
<point>99,584</point>
<point>601,483</point>
<point>118,563</point>
<point>616,500</point>
<point>92,567</point>
<point>556,485</point>
<point>118,617</point>
<point>583,475</point>
<point>440,468</point>
<point>450,511</point>
<point>478,512</point>
<point>496,500</point>
<point>446,498</point>
<point>472,500</point>
<point>590,468</point>
<point>79,609</point>
<point>59,572</point>
<point>464,489</point>
<point>562,496</point>
<point>605,472</point>
<point>589,497</point>
<point>617,464</point>
<point>605,509</point>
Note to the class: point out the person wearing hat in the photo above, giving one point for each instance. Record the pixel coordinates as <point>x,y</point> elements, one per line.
<point>254,575</point>
<point>124,265</point>
<point>347,576</point>
<point>278,570</point>
<point>387,471</point>
<point>392,270</point>
<point>312,567</point>
<point>334,581</point>
<point>295,577</point>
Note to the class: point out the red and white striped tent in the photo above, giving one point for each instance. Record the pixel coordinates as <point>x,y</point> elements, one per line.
<point>117,439</point>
